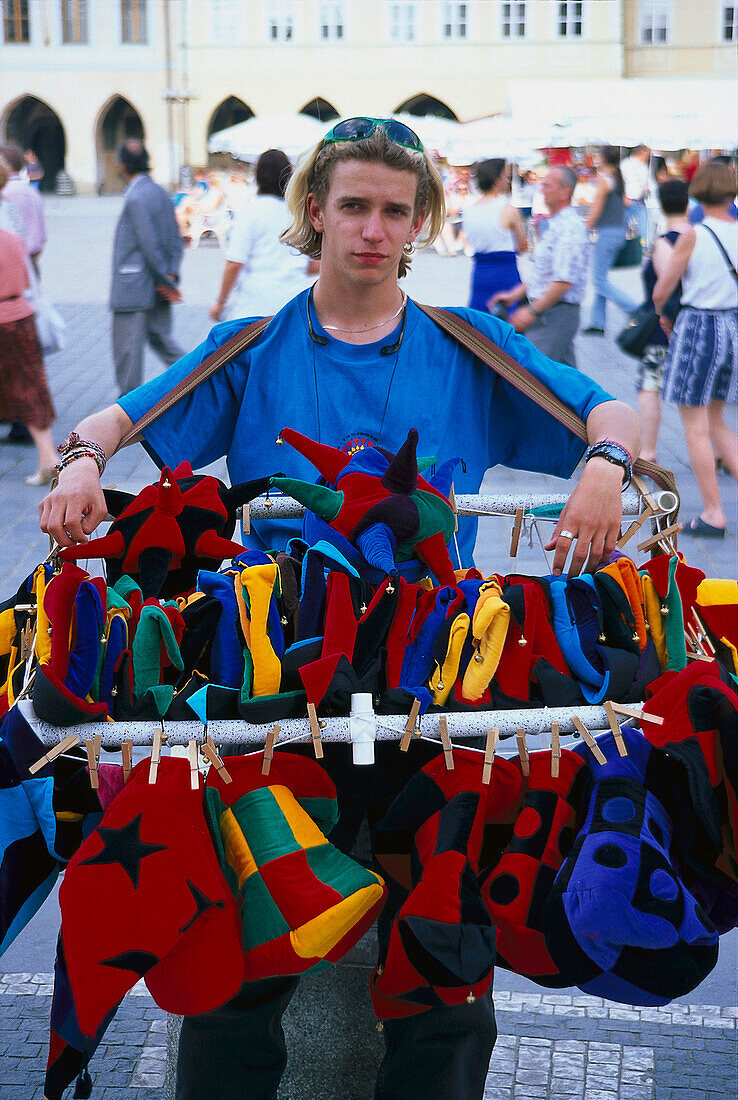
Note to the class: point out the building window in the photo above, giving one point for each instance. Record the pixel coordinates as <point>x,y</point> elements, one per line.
<point>331,22</point>
<point>402,21</point>
<point>281,21</point>
<point>226,25</point>
<point>569,20</point>
<point>455,20</point>
<point>16,25</point>
<point>654,22</point>
<point>133,31</point>
<point>730,23</point>
<point>513,20</point>
<point>74,21</point>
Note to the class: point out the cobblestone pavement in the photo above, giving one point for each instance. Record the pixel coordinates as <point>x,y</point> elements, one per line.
<point>550,1046</point>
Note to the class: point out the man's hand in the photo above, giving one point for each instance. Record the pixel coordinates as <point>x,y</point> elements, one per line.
<point>522,318</point>
<point>72,511</point>
<point>667,326</point>
<point>215,311</point>
<point>590,522</point>
<point>169,293</point>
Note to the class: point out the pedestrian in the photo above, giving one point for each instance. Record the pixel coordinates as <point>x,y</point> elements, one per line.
<point>34,169</point>
<point>701,373</point>
<point>494,230</point>
<point>28,203</point>
<point>558,278</point>
<point>673,202</point>
<point>24,392</point>
<point>608,217</point>
<point>354,362</point>
<point>147,253</point>
<point>261,273</point>
<point>637,185</point>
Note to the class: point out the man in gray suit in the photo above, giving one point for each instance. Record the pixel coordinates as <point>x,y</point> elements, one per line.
<point>147,252</point>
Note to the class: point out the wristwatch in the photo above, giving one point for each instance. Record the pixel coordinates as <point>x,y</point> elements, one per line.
<point>615,453</point>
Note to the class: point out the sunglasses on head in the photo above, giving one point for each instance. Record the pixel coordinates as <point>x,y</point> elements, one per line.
<point>356,129</point>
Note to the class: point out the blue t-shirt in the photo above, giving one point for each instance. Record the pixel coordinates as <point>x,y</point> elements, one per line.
<point>351,395</point>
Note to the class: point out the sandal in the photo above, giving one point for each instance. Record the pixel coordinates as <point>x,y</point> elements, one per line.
<point>41,477</point>
<point>703,530</point>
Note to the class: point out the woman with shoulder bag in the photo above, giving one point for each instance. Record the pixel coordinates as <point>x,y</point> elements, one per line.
<point>24,393</point>
<point>608,216</point>
<point>673,200</point>
<point>701,371</point>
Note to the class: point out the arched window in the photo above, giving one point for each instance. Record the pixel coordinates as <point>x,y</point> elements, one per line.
<point>32,124</point>
<point>117,121</point>
<point>320,109</point>
<point>424,104</point>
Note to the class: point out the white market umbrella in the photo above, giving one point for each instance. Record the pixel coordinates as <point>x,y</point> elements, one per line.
<point>247,140</point>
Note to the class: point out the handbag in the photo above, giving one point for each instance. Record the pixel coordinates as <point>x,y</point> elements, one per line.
<point>629,254</point>
<point>50,325</point>
<point>639,331</point>
<point>478,344</point>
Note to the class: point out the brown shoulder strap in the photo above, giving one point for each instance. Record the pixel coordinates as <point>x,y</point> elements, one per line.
<point>520,377</point>
<point>222,355</point>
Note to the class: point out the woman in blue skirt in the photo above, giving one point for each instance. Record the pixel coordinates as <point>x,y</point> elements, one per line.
<point>494,229</point>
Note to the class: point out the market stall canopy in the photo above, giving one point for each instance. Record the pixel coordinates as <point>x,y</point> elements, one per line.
<point>248,140</point>
<point>664,114</point>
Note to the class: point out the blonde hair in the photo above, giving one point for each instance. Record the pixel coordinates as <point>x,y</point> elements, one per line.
<point>313,176</point>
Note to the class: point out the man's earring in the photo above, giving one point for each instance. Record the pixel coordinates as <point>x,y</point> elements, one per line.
<point>408,248</point>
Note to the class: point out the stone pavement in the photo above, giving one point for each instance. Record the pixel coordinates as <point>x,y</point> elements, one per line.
<point>550,1045</point>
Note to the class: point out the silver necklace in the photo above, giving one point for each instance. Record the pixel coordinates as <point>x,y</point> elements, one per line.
<point>356,331</point>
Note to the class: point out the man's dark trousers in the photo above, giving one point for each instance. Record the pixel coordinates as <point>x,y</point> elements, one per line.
<point>239,1050</point>
<point>132,331</point>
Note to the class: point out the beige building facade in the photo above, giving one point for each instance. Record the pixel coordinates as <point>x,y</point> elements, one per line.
<point>77,76</point>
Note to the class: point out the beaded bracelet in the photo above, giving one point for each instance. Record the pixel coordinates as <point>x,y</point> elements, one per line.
<point>74,447</point>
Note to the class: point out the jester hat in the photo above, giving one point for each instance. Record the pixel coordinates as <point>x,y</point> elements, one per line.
<point>161,536</point>
<point>380,504</point>
<point>302,902</point>
<point>620,922</point>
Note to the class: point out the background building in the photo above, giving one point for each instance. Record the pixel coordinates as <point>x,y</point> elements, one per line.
<point>77,76</point>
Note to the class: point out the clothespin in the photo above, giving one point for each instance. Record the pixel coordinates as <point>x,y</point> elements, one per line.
<point>448,754</point>
<point>410,725</point>
<point>67,742</point>
<point>126,752</point>
<point>639,715</point>
<point>159,738</point>
<point>635,526</point>
<point>664,535</point>
<point>246,518</point>
<point>555,749</point>
<point>194,768</point>
<point>517,528</point>
<point>269,750</point>
<point>27,636</point>
<point>93,745</point>
<point>703,631</point>
<point>213,757</point>
<point>523,752</point>
<point>616,731</point>
<point>452,502</point>
<point>695,640</point>
<point>315,731</point>
<point>589,740</point>
<point>489,754</point>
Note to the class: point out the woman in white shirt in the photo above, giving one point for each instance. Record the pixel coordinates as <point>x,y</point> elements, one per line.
<point>261,273</point>
<point>494,229</point>
<point>701,371</point>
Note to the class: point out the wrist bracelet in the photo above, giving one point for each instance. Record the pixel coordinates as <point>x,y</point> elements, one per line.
<point>614,453</point>
<point>74,447</point>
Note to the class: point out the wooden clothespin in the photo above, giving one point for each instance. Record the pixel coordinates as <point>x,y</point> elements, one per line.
<point>589,740</point>
<point>664,536</point>
<point>93,745</point>
<point>410,726</point>
<point>126,752</point>
<point>67,742</point>
<point>159,738</point>
<point>213,758</point>
<point>448,753</point>
<point>694,640</point>
<point>616,731</point>
<point>635,526</point>
<point>271,741</point>
<point>246,518</point>
<point>454,509</point>
<point>517,528</point>
<point>315,731</point>
<point>555,749</point>
<point>703,631</point>
<point>194,766</point>
<point>523,752</point>
<point>639,715</point>
<point>489,754</point>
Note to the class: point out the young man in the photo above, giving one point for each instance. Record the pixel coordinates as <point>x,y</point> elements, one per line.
<point>354,363</point>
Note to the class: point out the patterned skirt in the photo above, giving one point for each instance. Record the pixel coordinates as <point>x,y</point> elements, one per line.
<point>24,392</point>
<point>702,360</point>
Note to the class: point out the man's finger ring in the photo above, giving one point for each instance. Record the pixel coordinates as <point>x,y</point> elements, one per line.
<point>567,535</point>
